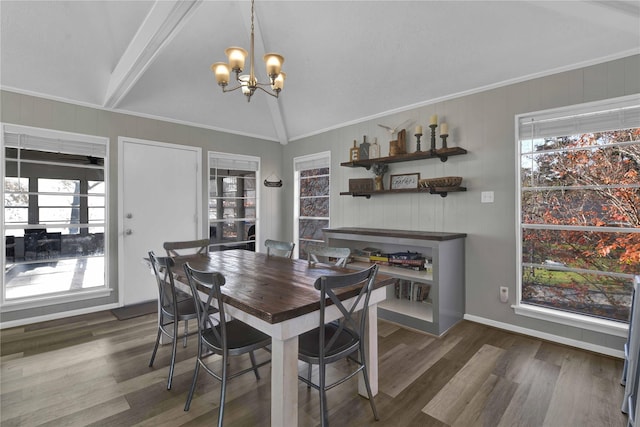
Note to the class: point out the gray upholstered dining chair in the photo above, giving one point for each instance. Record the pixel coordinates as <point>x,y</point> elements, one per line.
<point>340,339</point>
<point>172,309</point>
<point>225,337</point>
<point>187,247</point>
<point>279,248</point>
<point>326,253</point>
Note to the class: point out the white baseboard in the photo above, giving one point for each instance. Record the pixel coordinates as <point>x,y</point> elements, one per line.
<point>548,337</point>
<point>55,316</point>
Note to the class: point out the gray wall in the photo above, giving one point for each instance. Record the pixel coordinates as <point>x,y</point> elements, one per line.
<point>37,112</point>
<point>482,123</point>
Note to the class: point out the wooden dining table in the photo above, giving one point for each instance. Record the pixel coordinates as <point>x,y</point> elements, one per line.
<point>277,296</point>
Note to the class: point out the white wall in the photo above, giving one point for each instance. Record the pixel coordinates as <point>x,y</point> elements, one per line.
<point>482,123</point>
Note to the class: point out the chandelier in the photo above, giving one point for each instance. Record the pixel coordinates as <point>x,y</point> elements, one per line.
<point>248,82</point>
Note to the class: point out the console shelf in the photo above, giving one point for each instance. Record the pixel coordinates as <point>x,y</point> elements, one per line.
<point>445,305</point>
<point>443,154</point>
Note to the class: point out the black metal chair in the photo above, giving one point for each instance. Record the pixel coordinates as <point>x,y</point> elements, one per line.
<point>171,309</point>
<point>176,249</point>
<point>279,248</point>
<point>339,339</point>
<point>226,338</point>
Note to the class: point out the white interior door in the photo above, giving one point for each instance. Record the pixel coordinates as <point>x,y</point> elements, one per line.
<point>159,200</point>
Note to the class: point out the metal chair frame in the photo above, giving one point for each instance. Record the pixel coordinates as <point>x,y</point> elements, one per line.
<point>171,310</point>
<point>340,339</point>
<point>225,338</point>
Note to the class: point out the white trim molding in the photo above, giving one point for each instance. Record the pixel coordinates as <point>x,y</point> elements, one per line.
<point>546,336</point>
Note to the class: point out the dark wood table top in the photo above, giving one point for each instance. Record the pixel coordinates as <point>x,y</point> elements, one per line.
<point>273,289</point>
<point>409,234</point>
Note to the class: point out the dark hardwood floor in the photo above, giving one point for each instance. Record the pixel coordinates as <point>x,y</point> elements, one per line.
<point>92,370</point>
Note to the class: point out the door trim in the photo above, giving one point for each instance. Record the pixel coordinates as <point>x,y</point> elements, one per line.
<point>122,140</point>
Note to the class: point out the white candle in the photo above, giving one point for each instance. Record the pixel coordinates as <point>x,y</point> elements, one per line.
<point>433,120</point>
<point>418,130</point>
<point>444,129</point>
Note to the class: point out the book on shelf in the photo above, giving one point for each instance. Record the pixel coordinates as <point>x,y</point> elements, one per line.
<point>380,257</point>
<point>406,256</point>
<point>412,291</point>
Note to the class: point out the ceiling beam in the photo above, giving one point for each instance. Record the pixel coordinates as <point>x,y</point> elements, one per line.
<point>274,104</point>
<point>161,24</point>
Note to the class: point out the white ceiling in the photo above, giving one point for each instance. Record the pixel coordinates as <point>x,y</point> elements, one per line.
<point>346,61</point>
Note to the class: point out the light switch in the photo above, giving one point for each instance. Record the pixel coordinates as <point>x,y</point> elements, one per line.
<point>486,197</point>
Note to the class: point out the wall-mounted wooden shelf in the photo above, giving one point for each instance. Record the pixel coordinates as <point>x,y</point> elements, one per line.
<point>443,154</point>
<point>442,191</point>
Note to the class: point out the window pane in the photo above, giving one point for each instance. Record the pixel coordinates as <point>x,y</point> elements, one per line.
<point>232,199</point>
<point>571,184</point>
<point>316,207</point>
<point>312,228</point>
<point>318,186</point>
<point>587,294</point>
<point>52,252</point>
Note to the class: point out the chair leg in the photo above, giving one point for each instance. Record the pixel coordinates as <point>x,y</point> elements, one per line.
<point>174,348</point>
<point>308,374</point>
<point>324,417</point>
<point>365,372</point>
<point>223,389</point>
<point>186,333</point>
<point>193,384</point>
<point>253,363</point>
<point>155,348</point>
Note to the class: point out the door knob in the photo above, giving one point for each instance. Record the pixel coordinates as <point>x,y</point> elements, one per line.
<point>128,232</point>
<point>129,216</point>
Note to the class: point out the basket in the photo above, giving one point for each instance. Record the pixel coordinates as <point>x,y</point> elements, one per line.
<point>445,181</point>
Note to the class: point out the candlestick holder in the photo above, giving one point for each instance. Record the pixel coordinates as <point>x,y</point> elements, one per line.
<point>418,135</point>
<point>444,140</point>
<point>433,138</point>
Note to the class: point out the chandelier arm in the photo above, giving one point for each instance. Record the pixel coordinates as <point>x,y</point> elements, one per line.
<point>224,88</point>
<point>275,95</point>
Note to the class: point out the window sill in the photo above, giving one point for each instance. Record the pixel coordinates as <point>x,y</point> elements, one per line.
<point>48,300</point>
<point>609,327</point>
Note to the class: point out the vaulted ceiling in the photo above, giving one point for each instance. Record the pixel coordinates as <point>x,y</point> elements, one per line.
<point>346,61</point>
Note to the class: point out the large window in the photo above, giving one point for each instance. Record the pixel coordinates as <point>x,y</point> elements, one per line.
<point>233,201</point>
<point>579,222</point>
<point>54,217</point>
<point>312,200</point>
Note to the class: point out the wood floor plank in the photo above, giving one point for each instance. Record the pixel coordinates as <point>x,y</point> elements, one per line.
<point>454,397</point>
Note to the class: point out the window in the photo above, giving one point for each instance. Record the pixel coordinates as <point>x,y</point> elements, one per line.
<point>54,242</point>
<point>579,201</point>
<point>233,201</point>
<point>311,205</point>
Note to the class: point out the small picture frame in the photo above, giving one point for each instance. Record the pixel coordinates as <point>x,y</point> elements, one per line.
<point>407,180</point>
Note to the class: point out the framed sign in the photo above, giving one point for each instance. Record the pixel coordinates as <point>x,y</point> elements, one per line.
<point>407,180</point>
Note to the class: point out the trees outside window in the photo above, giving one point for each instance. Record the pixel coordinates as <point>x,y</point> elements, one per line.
<point>579,218</point>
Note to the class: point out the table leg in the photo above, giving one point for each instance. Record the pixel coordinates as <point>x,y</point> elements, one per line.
<point>371,350</point>
<point>284,382</point>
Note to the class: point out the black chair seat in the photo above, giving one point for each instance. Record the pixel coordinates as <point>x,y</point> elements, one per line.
<point>309,348</point>
<point>241,338</point>
<point>186,310</point>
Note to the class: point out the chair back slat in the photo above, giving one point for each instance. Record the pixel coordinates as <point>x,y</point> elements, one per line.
<point>166,286</point>
<point>356,324</point>
<point>213,281</point>
<point>279,248</point>
<point>341,255</point>
<point>187,247</point>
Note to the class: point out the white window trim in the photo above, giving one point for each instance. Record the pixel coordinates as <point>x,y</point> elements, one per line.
<point>309,161</point>
<point>557,316</point>
<point>100,143</point>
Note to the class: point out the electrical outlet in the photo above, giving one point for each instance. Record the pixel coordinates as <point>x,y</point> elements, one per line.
<point>504,294</point>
